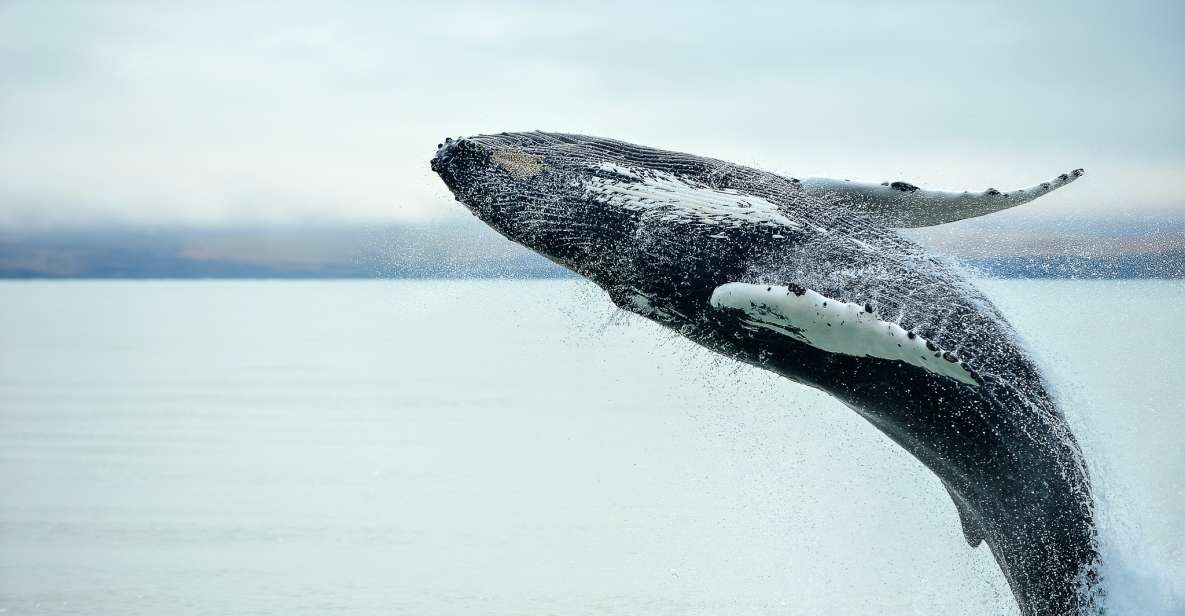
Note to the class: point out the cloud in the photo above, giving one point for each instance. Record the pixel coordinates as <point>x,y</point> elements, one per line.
<point>221,111</point>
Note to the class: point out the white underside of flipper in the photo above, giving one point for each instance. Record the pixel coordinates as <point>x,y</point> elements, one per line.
<point>900,204</point>
<point>836,327</point>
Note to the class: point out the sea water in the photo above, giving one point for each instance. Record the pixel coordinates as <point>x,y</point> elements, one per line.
<point>516,447</point>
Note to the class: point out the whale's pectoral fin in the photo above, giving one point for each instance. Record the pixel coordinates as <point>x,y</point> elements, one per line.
<point>836,326</point>
<point>972,531</point>
<point>900,204</point>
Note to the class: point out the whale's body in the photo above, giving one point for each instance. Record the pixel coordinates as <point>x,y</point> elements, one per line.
<point>807,278</point>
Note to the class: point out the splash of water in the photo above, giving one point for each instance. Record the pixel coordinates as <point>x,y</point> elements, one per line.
<point>1134,580</point>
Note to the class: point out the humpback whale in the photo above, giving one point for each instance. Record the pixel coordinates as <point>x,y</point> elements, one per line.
<point>809,279</point>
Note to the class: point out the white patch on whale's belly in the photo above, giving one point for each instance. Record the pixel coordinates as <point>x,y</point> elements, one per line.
<point>647,189</point>
<point>835,326</point>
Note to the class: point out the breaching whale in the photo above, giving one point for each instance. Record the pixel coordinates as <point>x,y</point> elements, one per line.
<point>808,278</point>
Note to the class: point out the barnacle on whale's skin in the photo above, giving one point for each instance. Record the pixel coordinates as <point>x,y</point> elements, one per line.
<point>794,275</point>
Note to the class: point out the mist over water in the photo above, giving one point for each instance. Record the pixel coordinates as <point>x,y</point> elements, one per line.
<point>503,447</point>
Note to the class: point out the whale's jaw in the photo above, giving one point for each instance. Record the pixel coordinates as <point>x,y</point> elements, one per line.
<point>763,270</point>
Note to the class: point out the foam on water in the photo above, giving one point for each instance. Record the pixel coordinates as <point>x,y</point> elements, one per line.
<point>1136,576</point>
<point>1135,580</point>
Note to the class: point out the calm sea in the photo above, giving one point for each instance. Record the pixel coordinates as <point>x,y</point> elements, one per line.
<point>513,448</point>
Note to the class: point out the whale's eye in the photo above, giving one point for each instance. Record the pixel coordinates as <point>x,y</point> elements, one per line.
<point>520,164</point>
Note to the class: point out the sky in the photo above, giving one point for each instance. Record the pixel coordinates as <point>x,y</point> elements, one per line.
<point>250,112</point>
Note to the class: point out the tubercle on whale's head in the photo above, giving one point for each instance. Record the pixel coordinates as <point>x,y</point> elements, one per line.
<point>519,185</point>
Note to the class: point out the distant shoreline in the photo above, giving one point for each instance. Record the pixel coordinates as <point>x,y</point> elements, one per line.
<point>464,249</point>
<point>1124,267</point>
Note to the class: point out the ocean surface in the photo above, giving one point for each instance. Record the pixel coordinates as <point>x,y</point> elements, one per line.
<point>517,448</point>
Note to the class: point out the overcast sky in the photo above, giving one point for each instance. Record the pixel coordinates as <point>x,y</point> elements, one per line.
<point>210,112</point>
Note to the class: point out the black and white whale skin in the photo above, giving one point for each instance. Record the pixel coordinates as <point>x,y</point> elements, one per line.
<point>808,279</point>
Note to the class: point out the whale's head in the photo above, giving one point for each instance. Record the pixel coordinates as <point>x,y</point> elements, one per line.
<point>534,188</point>
<point>613,211</point>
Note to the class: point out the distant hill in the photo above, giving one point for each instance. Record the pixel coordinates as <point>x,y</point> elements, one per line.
<point>337,251</point>
<point>1157,265</point>
<point>463,248</point>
